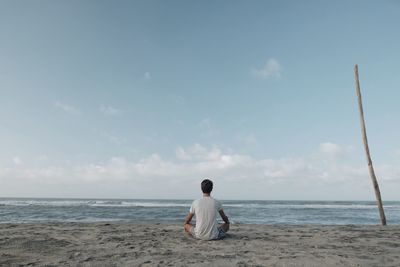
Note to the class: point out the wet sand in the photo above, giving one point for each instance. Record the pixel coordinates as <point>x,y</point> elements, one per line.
<point>134,244</point>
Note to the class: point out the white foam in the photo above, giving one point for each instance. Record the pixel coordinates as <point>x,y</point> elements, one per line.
<point>92,203</point>
<point>157,203</point>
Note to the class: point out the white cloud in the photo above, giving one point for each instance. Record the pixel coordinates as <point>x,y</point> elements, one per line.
<point>334,150</point>
<point>67,108</point>
<point>271,69</point>
<point>248,140</point>
<point>43,157</point>
<point>147,76</point>
<point>182,154</point>
<point>197,152</point>
<point>17,160</point>
<point>330,149</point>
<point>109,110</point>
<point>197,161</point>
<point>207,128</point>
<point>238,172</point>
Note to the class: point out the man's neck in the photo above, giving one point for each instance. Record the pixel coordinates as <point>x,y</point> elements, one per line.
<point>206,195</point>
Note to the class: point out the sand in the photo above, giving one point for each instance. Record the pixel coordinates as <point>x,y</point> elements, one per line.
<point>134,244</point>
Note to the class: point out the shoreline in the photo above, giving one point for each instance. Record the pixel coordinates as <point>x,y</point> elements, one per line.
<point>166,244</point>
<point>246,212</point>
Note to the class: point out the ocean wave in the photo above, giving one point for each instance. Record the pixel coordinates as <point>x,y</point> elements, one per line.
<point>258,212</point>
<point>91,203</point>
<point>171,204</point>
<point>139,204</point>
<point>41,203</point>
<point>309,206</point>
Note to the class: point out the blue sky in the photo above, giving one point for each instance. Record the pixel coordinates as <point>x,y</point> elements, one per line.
<point>143,99</point>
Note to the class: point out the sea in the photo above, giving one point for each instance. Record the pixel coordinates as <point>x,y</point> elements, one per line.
<point>37,210</point>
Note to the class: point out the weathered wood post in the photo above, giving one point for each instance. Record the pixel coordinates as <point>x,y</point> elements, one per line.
<point>364,137</point>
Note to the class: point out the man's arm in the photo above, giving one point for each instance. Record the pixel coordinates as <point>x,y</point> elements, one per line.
<point>223,216</point>
<point>188,218</point>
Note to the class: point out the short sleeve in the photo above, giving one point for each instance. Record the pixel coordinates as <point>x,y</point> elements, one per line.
<point>192,208</point>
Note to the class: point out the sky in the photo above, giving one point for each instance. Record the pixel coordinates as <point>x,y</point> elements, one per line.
<point>145,99</point>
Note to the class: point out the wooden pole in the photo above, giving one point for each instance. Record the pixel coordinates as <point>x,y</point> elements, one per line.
<point>365,140</point>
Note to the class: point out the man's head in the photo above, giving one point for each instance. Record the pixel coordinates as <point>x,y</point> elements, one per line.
<point>206,186</point>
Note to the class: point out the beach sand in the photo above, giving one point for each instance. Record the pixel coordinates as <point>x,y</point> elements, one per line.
<point>134,244</point>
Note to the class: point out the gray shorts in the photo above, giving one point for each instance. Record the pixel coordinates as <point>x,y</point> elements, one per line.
<point>221,233</point>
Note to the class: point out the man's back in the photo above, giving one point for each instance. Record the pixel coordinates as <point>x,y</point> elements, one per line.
<point>206,209</point>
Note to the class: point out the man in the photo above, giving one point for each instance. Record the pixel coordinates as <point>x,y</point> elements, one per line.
<point>206,209</point>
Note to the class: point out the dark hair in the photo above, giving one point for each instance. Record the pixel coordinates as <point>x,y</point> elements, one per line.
<point>206,186</point>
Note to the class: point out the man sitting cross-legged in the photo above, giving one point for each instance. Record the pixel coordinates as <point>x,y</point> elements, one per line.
<point>205,209</point>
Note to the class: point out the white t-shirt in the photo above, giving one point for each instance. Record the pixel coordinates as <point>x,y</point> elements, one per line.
<point>205,209</point>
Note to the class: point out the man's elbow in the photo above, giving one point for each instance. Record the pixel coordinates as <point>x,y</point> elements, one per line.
<point>226,219</point>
